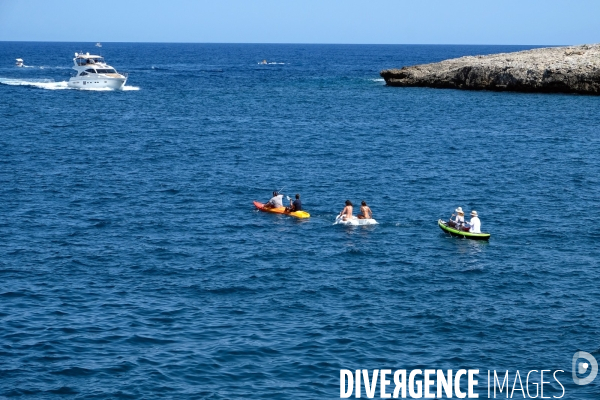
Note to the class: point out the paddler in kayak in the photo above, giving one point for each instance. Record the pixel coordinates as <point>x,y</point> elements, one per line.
<point>295,205</point>
<point>276,201</point>
<point>365,211</point>
<point>346,213</point>
<point>459,220</point>
<point>474,224</point>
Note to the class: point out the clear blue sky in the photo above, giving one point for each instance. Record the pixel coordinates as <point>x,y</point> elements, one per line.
<point>303,21</point>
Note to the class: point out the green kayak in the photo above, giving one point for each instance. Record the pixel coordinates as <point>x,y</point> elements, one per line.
<point>467,235</point>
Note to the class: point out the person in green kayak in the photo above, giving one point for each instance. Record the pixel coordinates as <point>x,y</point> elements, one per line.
<point>474,224</point>
<point>346,213</point>
<point>295,205</point>
<point>459,220</point>
<point>365,211</point>
<point>276,201</point>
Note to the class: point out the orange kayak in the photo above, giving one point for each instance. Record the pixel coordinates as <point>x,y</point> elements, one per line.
<point>281,210</point>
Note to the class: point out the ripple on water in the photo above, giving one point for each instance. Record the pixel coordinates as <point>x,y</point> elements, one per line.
<point>134,265</point>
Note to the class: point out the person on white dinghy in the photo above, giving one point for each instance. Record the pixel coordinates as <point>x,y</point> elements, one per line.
<point>365,211</point>
<point>346,213</point>
<point>346,217</point>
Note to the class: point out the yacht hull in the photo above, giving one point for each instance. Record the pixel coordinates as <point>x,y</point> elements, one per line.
<point>97,83</point>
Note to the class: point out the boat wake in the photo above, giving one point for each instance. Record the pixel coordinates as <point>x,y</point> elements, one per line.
<point>50,84</point>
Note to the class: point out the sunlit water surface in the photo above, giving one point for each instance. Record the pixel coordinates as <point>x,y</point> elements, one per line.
<point>132,263</point>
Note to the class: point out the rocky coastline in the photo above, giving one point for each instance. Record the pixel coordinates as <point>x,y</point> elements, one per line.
<point>573,69</point>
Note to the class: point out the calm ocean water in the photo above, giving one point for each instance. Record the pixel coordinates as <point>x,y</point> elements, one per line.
<point>132,263</point>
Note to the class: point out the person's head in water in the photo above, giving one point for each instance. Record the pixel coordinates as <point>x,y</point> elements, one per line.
<point>348,203</point>
<point>363,203</point>
<point>297,196</point>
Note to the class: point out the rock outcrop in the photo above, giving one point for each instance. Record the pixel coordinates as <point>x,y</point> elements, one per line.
<point>574,69</point>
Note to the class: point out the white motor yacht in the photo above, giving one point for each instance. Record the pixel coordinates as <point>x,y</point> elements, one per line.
<point>19,62</point>
<point>98,44</point>
<point>93,72</point>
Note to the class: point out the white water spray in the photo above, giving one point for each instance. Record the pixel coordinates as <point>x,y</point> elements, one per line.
<point>50,84</point>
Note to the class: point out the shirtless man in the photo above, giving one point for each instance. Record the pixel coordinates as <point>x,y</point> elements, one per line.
<point>365,211</point>
<point>346,213</point>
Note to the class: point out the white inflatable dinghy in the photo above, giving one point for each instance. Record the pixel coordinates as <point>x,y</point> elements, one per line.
<point>354,221</point>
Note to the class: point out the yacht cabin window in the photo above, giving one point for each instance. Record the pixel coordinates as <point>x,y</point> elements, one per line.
<point>91,71</point>
<point>89,61</point>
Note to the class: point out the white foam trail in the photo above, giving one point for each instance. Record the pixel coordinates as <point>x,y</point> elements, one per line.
<point>42,67</point>
<point>49,84</point>
<point>378,80</point>
<point>39,83</point>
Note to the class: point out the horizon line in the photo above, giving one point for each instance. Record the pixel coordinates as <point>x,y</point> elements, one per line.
<point>300,43</point>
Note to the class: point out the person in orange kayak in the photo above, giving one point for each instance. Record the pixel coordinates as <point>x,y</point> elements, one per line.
<point>276,201</point>
<point>347,211</point>
<point>295,205</point>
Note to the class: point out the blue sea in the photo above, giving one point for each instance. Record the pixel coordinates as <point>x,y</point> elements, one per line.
<point>133,264</point>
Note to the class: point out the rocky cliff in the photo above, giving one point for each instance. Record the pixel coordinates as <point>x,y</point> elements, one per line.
<point>574,69</point>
